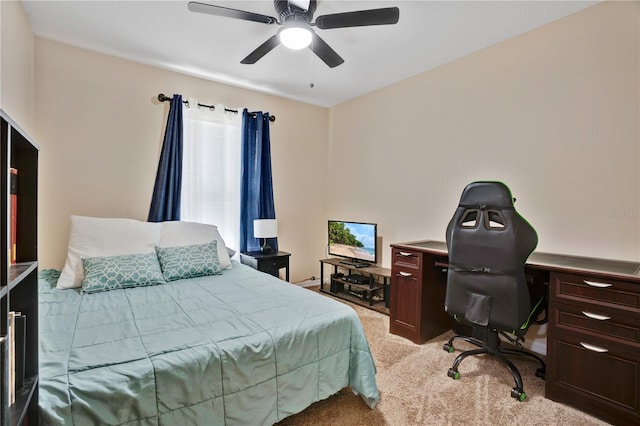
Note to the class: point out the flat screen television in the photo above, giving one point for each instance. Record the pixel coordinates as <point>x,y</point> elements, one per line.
<point>355,241</point>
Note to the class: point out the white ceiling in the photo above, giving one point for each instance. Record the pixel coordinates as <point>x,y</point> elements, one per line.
<point>166,34</point>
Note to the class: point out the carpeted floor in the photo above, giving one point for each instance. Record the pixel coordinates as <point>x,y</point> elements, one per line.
<point>415,389</point>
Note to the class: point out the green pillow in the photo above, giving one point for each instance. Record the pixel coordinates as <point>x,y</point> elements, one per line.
<point>124,271</point>
<point>189,261</point>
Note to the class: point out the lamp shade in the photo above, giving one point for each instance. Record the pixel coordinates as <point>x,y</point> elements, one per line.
<point>295,36</point>
<point>265,228</point>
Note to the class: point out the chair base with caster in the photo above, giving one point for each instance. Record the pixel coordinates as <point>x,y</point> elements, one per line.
<point>492,347</point>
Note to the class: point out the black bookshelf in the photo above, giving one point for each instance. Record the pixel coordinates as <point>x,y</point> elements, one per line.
<point>19,280</point>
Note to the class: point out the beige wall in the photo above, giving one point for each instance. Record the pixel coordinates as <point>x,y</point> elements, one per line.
<point>16,64</point>
<point>553,113</point>
<point>100,130</point>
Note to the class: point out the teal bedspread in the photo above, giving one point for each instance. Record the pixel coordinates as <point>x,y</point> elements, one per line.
<point>239,348</point>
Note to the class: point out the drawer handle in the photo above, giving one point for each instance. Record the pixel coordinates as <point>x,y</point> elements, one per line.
<point>594,348</point>
<point>405,253</point>
<point>595,284</point>
<point>596,316</point>
<point>404,274</point>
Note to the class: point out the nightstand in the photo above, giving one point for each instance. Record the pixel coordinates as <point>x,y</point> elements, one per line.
<point>270,263</point>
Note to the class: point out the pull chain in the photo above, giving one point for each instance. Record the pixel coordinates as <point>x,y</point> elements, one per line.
<point>311,85</point>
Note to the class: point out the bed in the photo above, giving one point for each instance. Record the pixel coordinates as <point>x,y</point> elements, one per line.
<point>235,347</point>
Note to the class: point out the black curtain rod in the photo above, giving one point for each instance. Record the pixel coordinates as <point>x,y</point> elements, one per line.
<point>163,98</point>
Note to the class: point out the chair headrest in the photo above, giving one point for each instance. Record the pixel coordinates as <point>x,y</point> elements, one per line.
<point>486,195</point>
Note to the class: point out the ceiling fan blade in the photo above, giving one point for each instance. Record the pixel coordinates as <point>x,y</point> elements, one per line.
<point>262,50</point>
<point>325,52</point>
<point>227,12</point>
<point>361,18</point>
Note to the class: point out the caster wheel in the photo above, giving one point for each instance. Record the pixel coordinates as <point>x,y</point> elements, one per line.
<point>518,394</point>
<point>540,372</point>
<point>448,348</point>
<point>454,374</point>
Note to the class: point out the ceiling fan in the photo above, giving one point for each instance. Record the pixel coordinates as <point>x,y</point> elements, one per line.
<point>295,16</point>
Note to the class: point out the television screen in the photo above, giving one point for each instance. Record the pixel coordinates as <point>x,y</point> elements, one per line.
<point>353,240</point>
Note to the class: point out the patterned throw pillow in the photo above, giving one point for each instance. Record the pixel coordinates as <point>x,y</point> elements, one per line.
<point>113,272</point>
<point>189,261</point>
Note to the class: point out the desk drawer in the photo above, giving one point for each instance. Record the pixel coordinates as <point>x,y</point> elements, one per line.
<point>605,293</point>
<point>405,300</point>
<point>593,346</point>
<point>594,376</point>
<point>406,259</point>
<point>405,308</point>
<point>607,324</point>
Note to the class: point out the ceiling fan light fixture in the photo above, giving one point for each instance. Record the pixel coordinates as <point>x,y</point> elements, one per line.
<point>295,36</point>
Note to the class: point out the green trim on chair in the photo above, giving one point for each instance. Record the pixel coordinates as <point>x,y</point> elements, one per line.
<point>525,325</point>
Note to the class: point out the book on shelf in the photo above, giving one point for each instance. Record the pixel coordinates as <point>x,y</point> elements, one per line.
<point>13,190</point>
<point>16,353</point>
<point>12,350</point>
<point>20,342</point>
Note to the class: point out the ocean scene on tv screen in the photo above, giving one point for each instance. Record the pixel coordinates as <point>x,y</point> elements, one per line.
<point>353,240</point>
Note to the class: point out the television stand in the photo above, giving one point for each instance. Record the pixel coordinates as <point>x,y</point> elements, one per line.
<point>365,285</point>
<point>355,264</point>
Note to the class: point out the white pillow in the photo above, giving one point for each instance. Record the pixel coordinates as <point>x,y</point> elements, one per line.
<point>176,234</point>
<point>98,237</point>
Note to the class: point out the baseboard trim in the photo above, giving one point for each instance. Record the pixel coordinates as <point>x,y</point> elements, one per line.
<point>538,347</point>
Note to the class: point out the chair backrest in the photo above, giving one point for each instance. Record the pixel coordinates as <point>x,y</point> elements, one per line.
<point>488,244</point>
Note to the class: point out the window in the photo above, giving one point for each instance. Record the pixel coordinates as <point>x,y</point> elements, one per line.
<point>211,170</point>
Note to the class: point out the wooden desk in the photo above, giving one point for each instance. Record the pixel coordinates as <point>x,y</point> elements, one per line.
<point>593,336</point>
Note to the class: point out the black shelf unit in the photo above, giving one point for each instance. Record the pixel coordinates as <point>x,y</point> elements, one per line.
<point>19,281</point>
<point>369,292</point>
<point>373,294</point>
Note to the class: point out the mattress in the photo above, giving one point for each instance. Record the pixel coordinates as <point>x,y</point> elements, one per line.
<point>238,348</point>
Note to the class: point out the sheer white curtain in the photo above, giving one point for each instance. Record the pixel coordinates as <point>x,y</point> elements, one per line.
<point>211,169</point>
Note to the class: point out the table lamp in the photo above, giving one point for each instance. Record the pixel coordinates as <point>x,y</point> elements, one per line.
<point>265,228</point>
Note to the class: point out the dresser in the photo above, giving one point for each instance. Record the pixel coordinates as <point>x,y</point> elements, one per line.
<point>593,335</point>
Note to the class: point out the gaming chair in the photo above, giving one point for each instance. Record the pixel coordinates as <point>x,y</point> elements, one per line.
<point>487,289</point>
